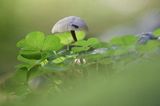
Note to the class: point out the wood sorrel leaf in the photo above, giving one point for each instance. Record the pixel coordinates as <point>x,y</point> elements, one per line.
<point>156,32</point>
<point>124,40</point>
<point>35,40</point>
<point>51,43</point>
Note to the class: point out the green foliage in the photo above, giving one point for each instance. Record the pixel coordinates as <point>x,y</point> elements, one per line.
<point>38,41</point>
<point>42,55</point>
<point>84,45</point>
<point>150,46</point>
<point>51,43</point>
<point>157,32</point>
<point>66,37</point>
<point>65,63</point>
<point>124,40</point>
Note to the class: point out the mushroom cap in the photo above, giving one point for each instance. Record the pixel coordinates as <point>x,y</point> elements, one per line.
<point>70,23</point>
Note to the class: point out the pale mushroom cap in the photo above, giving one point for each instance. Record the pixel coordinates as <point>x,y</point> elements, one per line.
<point>70,23</point>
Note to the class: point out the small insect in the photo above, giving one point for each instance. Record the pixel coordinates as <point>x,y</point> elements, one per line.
<point>145,37</point>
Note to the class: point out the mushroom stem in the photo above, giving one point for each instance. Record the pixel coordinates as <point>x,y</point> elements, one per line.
<point>73,35</point>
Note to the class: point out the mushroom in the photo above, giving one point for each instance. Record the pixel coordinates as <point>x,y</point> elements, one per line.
<point>70,24</point>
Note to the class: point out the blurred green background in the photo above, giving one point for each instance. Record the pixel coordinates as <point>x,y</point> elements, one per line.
<point>19,17</point>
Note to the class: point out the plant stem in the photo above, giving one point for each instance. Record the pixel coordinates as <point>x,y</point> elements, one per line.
<point>74,35</point>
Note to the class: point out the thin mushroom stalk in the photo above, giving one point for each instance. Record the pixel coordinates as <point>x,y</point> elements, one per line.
<point>70,24</point>
<point>74,35</point>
